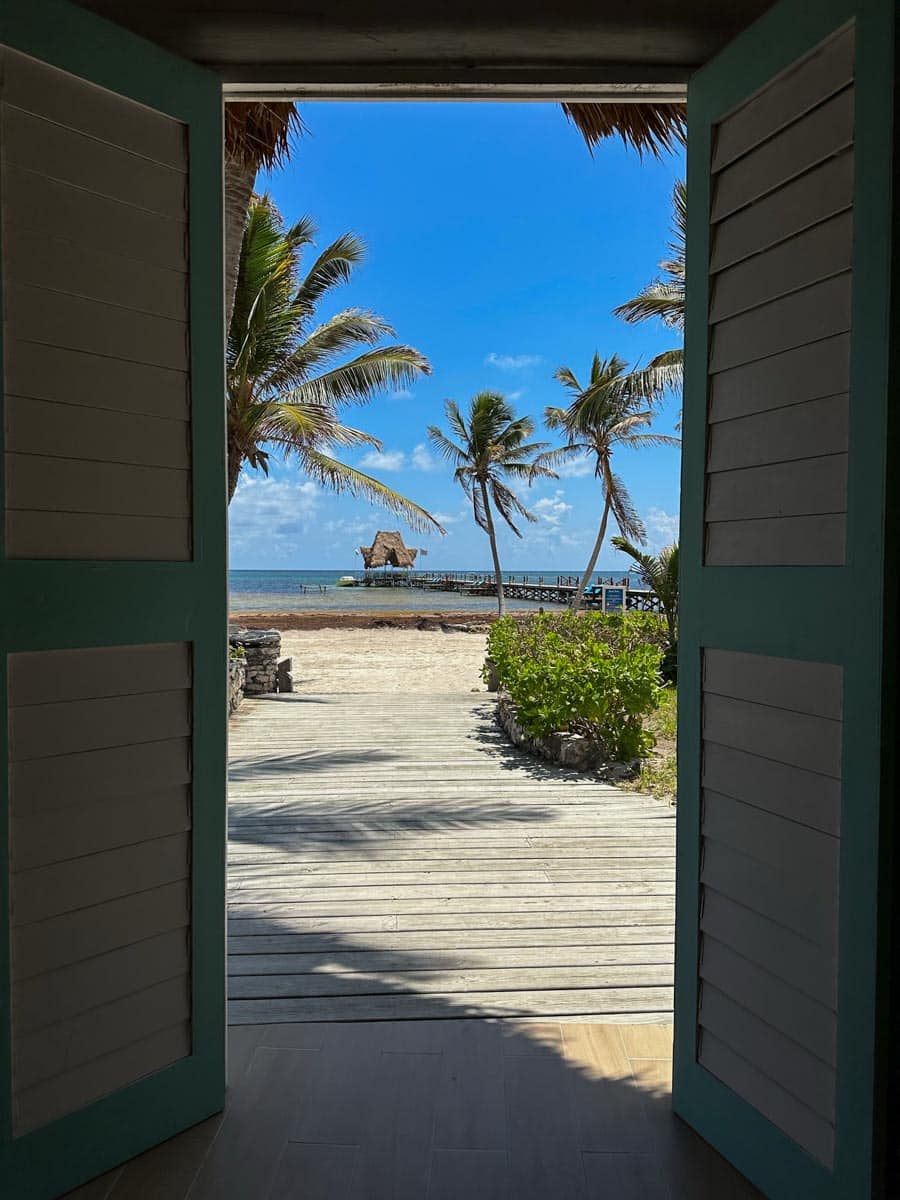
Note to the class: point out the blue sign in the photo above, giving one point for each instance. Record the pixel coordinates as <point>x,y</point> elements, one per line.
<point>615,599</point>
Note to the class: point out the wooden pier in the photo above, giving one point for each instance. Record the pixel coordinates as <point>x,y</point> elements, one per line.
<point>607,595</point>
<point>603,594</point>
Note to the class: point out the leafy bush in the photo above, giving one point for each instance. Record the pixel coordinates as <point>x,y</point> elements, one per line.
<point>592,673</point>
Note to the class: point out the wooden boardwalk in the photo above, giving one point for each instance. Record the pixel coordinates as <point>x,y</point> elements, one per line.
<point>393,857</point>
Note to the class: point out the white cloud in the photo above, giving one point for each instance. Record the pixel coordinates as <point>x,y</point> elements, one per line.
<point>512,362</point>
<point>351,526</point>
<point>662,527</point>
<point>451,518</point>
<point>517,395</point>
<point>552,509</point>
<point>575,468</point>
<point>401,394</point>
<point>578,539</point>
<point>383,460</point>
<point>422,460</point>
<point>272,513</point>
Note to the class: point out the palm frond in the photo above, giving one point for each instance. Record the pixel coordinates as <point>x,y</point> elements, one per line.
<point>363,377</point>
<point>333,266</point>
<point>643,441</point>
<point>648,128</point>
<point>568,379</point>
<point>658,572</point>
<point>623,509</point>
<point>293,426</point>
<point>509,505</point>
<point>664,373</point>
<point>664,298</point>
<point>260,134</point>
<point>445,446</point>
<point>341,477</point>
<point>658,299</point>
<point>344,331</point>
<point>478,509</point>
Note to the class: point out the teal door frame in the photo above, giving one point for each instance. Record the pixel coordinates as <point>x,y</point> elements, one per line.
<point>64,604</point>
<point>818,617</point>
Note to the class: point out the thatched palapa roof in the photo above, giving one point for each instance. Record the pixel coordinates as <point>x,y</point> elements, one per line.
<point>387,550</point>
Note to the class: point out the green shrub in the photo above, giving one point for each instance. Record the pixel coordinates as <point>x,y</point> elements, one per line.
<point>591,673</point>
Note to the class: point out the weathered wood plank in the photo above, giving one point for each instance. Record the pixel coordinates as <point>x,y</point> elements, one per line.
<point>447,960</point>
<point>648,1003</point>
<point>434,878</point>
<point>590,938</point>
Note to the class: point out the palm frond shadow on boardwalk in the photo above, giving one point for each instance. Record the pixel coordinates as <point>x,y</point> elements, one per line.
<point>409,823</point>
<point>366,1057</point>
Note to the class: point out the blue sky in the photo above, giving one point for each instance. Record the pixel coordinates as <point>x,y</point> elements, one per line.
<point>498,247</point>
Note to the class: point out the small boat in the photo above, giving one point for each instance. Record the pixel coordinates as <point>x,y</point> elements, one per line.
<point>346,581</point>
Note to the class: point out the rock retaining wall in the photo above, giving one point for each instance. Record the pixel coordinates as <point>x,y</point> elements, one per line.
<point>568,749</point>
<point>236,675</point>
<point>262,650</point>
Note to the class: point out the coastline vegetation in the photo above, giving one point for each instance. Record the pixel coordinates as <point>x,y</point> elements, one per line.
<point>597,674</point>
<point>658,772</point>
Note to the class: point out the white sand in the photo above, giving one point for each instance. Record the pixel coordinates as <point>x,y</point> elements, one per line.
<point>385,660</point>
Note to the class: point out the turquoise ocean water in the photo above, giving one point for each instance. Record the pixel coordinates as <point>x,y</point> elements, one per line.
<point>304,591</point>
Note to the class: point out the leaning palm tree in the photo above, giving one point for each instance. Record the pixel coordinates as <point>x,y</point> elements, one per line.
<point>659,572</point>
<point>488,447</point>
<point>663,298</point>
<point>285,378</point>
<point>613,410</point>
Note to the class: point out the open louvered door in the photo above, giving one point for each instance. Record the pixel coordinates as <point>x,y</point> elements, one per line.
<point>112,574</point>
<point>784,563</point>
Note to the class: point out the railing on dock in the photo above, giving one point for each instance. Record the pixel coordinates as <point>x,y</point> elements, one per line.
<point>607,594</point>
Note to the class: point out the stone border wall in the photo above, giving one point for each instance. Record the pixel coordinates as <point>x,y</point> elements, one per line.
<point>567,749</point>
<point>237,673</point>
<point>262,650</point>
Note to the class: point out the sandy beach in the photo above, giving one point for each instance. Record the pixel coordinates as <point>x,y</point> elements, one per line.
<point>385,660</point>
<point>387,651</point>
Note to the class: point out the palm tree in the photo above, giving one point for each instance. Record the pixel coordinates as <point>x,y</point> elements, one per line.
<point>660,574</point>
<point>614,410</point>
<point>488,447</point>
<point>663,298</point>
<point>257,136</point>
<point>284,388</point>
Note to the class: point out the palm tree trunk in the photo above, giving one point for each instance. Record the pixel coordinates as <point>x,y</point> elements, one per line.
<point>239,180</point>
<point>595,554</point>
<point>235,462</point>
<point>501,599</point>
<point>670,625</point>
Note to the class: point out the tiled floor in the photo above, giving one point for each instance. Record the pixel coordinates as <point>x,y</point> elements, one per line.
<point>438,1110</point>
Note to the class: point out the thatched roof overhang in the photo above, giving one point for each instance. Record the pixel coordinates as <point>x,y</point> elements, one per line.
<point>387,550</point>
